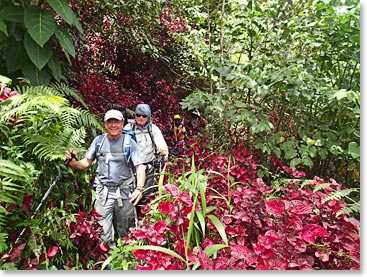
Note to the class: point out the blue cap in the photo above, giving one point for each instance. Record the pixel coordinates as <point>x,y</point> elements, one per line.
<point>143,109</point>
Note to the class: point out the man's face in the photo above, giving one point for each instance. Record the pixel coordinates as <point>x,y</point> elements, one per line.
<point>114,127</point>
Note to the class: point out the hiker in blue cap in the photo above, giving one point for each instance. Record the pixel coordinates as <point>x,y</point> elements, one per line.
<point>151,144</point>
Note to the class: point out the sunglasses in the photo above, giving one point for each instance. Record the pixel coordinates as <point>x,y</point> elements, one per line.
<point>141,115</point>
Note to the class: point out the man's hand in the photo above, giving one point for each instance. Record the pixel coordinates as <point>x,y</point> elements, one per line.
<point>70,154</point>
<point>135,196</point>
<point>163,152</point>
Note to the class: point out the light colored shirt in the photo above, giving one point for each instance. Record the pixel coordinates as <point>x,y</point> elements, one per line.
<point>144,141</point>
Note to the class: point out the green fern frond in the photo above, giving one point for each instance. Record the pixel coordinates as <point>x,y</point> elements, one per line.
<point>53,147</point>
<point>25,105</point>
<point>10,170</point>
<point>77,138</point>
<point>36,90</point>
<point>3,245</point>
<point>321,186</point>
<point>9,190</point>
<point>69,93</point>
<point>338,194</point>
<point>88,119</point>
<point>350,209</point>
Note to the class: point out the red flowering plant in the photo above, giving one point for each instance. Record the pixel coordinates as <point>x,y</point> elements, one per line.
<point>222,217</point>
<point>5,91</point>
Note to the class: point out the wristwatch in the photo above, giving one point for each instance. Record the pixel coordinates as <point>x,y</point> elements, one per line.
<point>140,188</point>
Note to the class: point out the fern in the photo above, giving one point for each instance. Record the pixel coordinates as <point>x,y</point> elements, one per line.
<point>338,194</point>
<point>50,125</point>
<point>69,93</point>
<point>321,186</point>
<point>354,208</point>
<point>11,176</point>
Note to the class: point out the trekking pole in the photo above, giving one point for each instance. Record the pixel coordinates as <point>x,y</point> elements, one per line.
<point>44,198</point>
<point>132,188</point>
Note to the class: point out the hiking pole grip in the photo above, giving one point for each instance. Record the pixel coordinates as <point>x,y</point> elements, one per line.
<point>66,162</point>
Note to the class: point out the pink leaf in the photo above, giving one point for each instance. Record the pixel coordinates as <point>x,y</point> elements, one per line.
<point>296,223</point>
<point>165,207</point>
<point>160,226</point>
<point>302,209</point>
<point>172,189</point>
<point>275,206</point>
<point>185,198</point>
<point>312,231</point>
<point>52,251</point>
<point>272,235</point>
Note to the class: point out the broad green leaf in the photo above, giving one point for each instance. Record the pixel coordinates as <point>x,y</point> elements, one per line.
<point>35,76</point>
<point>40,23</point>
<point>66,41</point>
<point>290,154</point>
<point>54,65</point>
<point>15,57</point>
<point>12,13</point>
<point>214,249</point>
<point>38,55</point>
<point>340,94</point>
<point>294,162</point>
<point>354,149</point>
<point>77,24</point>
<point>3,28</point>
<point>62,8</point>
<point>307,161</point>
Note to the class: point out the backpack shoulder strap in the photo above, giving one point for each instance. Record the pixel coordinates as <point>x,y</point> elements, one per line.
<point>100,140</point>
<point>128,135</point>
<point>150,131</point>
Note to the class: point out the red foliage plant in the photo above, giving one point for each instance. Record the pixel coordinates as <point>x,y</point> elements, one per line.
<point>291,231</point>
<point>109,72</point>
<point>85,234</point>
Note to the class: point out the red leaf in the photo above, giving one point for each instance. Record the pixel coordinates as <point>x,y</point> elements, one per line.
<point>172,189</point>
<point>104,247</point>
<point>302,209</point>
<point>275,206</point>
<point>312,231</point>
<point>296,223</point>
<point>140,254</point>
<point>185,198</point>
<point>203,258</point>
<point>160,226</point>
<point>52,251</point>
<point>220,263</point>
<point>272,235</point>
<point>165,207</point>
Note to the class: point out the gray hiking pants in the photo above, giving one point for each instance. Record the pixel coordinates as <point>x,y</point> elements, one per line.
<point>113,210</point>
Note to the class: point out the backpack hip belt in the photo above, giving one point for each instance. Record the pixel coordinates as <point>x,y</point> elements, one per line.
<point>126,185</point>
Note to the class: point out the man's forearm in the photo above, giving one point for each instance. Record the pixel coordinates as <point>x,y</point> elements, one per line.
<point>140,175</point>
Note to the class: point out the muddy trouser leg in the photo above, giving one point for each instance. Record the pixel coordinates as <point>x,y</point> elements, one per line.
<point>148,186</point>
<point>124,217</point>
<point>105,207</point>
